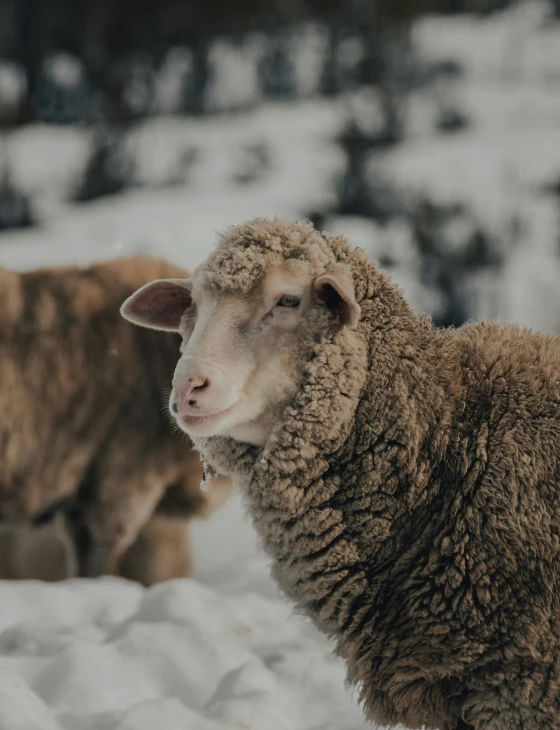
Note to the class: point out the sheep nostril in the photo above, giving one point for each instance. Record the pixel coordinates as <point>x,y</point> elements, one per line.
<point>175,408</point>
<point>192,402</point>
<point>198,384</point>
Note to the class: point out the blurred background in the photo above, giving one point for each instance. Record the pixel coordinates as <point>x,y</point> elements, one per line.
<point>428,131</point>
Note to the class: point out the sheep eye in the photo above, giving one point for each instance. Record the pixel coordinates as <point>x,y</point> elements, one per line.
<point>288,301</point>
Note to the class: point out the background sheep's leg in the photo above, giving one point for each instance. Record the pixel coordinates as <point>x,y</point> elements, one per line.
<point>123,490</point>
<point>115,520</point>
<point>161,551</point>
<point>185,498</point>
<point>44,552</point>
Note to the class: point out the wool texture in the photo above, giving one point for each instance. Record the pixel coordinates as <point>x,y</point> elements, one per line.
<point>83,427</point>
<point>409,497</point>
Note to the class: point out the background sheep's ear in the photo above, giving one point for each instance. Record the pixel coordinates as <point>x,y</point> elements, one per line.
<point>159,305</point>
<point>336,290</point>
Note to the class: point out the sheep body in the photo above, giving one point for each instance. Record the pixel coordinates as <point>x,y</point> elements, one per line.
<point>410,497</point>
<point>83,429</point>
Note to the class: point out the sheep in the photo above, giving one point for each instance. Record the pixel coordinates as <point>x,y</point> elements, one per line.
<point>90,458</point>
<point>405,480</point>
<point>43,552</point>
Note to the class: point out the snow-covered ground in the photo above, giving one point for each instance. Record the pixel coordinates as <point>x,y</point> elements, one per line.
<point>105,655</point>
<point>224,650</point>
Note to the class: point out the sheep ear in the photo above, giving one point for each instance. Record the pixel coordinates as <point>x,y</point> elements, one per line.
<point>336,290</point>
<point>159,305</point>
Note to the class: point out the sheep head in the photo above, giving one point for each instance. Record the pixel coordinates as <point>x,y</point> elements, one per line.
<point>249,318</point>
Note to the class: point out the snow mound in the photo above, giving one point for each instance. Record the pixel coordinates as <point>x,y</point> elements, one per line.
<point>108,655</point>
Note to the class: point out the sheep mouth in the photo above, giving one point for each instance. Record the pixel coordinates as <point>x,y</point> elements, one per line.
<point>203,420</point>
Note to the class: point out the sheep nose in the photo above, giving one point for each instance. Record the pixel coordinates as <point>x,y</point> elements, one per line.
<point>190,391</point>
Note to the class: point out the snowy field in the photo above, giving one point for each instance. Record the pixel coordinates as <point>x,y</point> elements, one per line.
<point>105,656</point>
<point>224,650</point>
<point>219,651</point>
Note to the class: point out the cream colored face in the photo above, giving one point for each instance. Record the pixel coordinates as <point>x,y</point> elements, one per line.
<point>242,354</point>
<point>244,348</point>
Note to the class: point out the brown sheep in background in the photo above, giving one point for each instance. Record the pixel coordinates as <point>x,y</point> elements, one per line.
<point>84,436</point>
<point>405,480</point>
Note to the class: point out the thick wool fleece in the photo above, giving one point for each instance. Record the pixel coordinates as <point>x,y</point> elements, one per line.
<point>410,497</point>
<point>83,429</point>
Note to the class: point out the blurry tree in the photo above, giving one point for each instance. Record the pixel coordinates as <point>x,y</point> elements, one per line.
<point>276,70</point>
<point>15,206</point>
<point>453,249</point>
<point>61,91</point>
<point>356,192</point>
<point>109,168</point>
<point>104,35</point>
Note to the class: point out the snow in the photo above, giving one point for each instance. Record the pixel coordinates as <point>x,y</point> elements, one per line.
<point>105,654</point>
<point>175,221</point>
<point>223,649</point>
<point>520,42</point>
<point>173,80</point>
<point>499,166</point>
<point>63,70</point>
<point>310,47</point>
<point>12,87</point>
<point>234,81</point>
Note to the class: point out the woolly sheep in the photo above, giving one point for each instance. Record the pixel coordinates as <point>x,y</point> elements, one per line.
<point>405,480</point>
<point>84,434</point>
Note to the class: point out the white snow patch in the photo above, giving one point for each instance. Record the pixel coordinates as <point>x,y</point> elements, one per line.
<point>234,81</point>
<point>64,70</point>
<point>173,79</point>
<point>178,655</point>
<point>309,49</point>
<point>13,86</point>
<point>179,221</point>
<point>518,44</point>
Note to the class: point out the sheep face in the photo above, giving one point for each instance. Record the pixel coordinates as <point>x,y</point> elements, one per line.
<point>243,350</point>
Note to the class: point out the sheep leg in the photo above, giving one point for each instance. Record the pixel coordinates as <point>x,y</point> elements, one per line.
<point>42,552</point>
<point>121,510</point>
<point>161,551</point>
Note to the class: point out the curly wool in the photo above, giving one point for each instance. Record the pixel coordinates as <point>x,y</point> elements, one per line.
<point>409,498</point>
